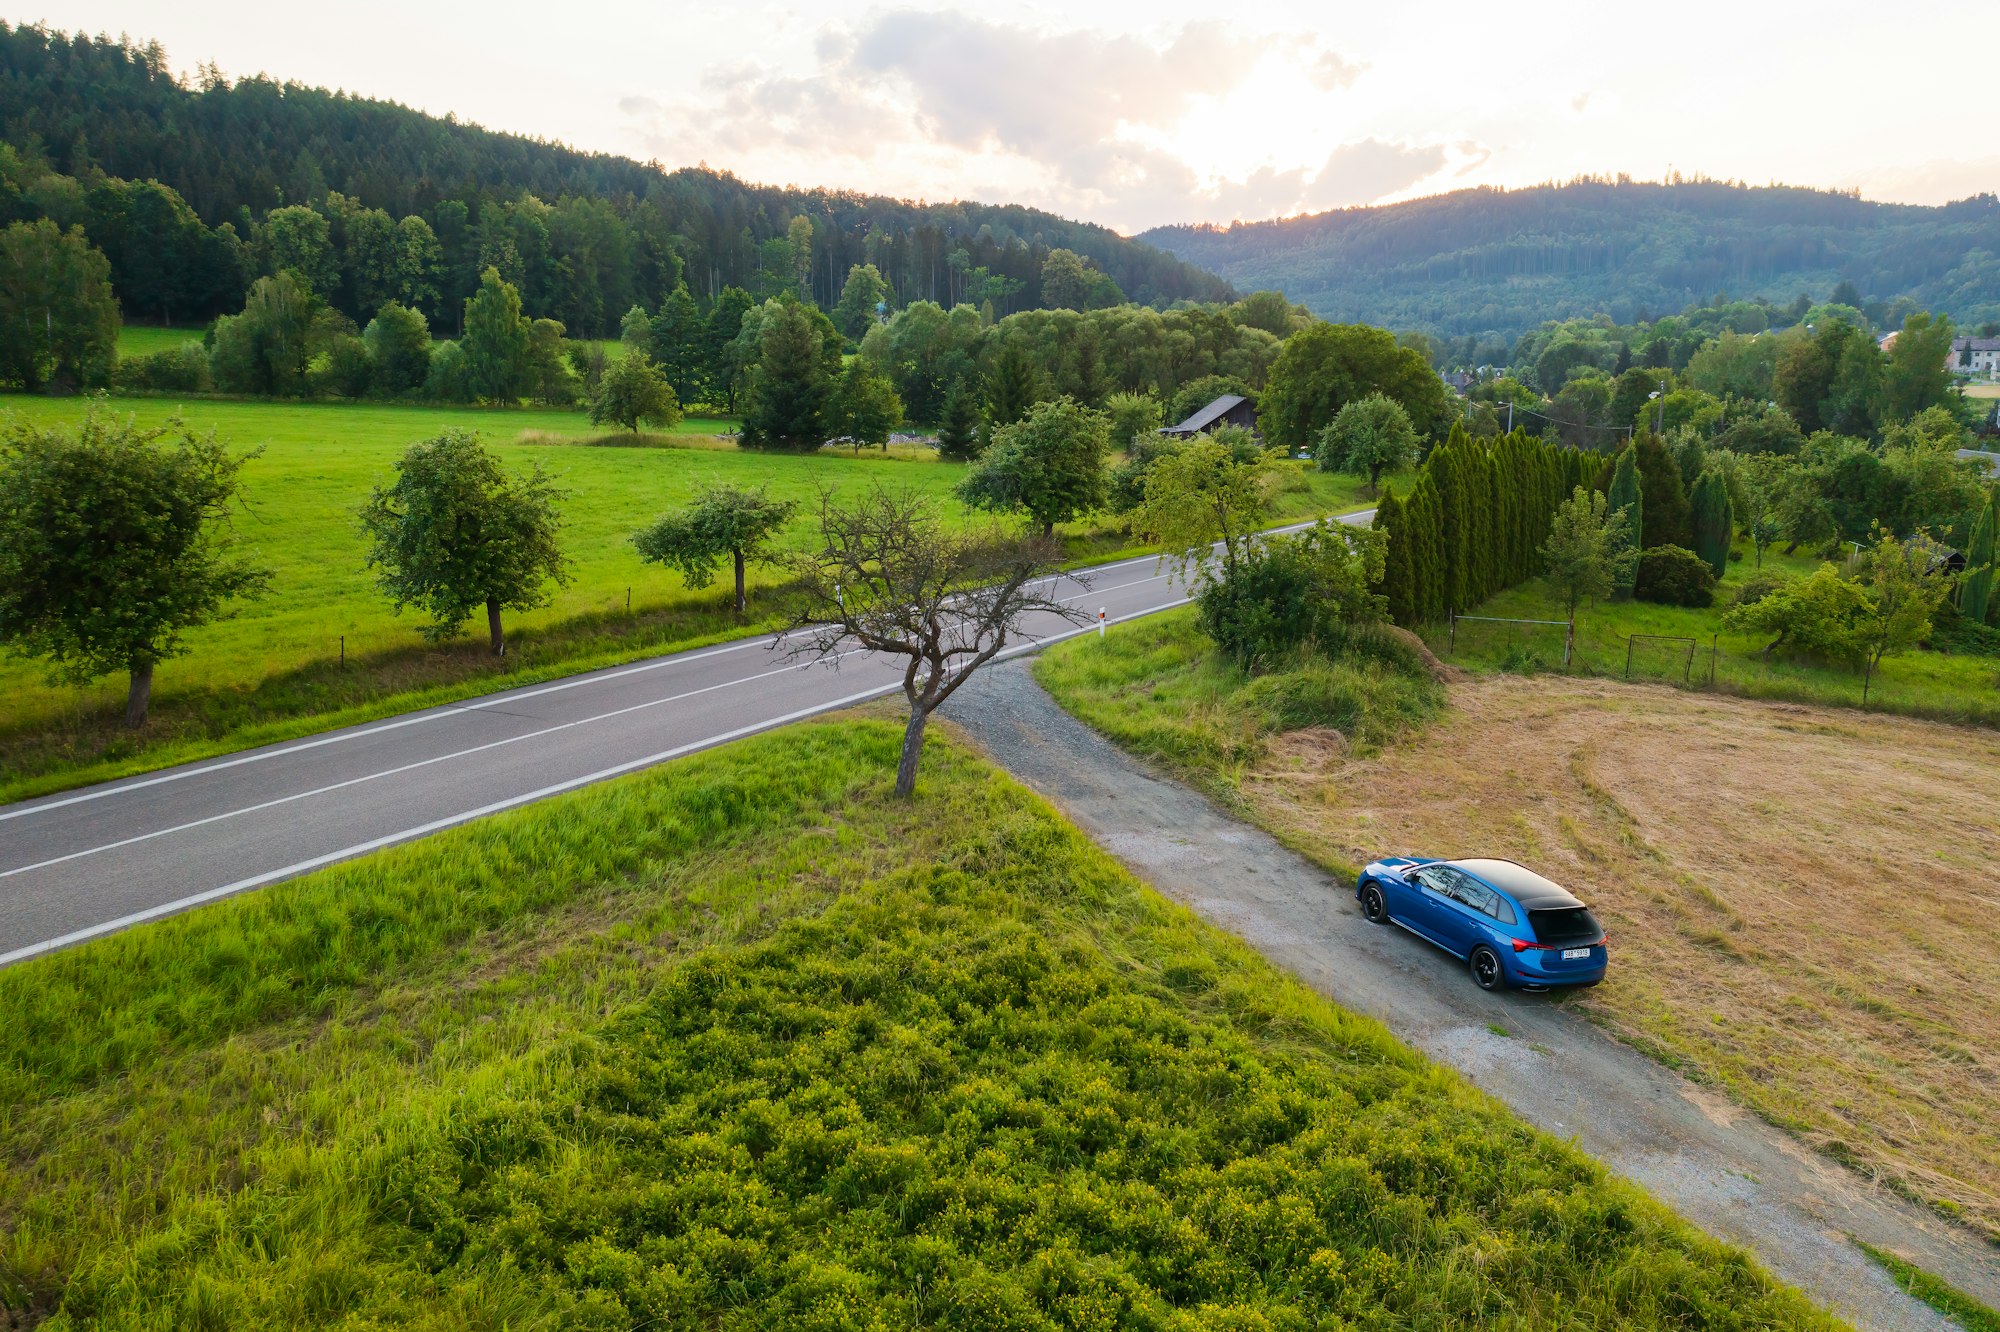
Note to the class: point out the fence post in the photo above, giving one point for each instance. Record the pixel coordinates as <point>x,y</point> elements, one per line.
<point>1711,661</point>
<point>1451,650</point>
<point>343,652</point>
<point>1569,644</point>
<point>1628,658</point>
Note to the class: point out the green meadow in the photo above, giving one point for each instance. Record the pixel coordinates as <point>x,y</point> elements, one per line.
<point>276,667</point>
<point>744,1043</point>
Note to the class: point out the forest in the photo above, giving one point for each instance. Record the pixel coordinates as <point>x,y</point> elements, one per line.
<point>177,185</point>
<point>1495,262</point>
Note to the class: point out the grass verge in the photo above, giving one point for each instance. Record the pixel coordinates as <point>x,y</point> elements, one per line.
<point>743,1043</point>
<point>1962,1309</point>
<point>1801,898</point>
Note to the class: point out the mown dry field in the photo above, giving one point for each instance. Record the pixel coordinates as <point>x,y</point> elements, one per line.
<point>1802,902</point>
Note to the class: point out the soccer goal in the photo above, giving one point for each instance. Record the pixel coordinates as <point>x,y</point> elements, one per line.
<point>1659,656</point>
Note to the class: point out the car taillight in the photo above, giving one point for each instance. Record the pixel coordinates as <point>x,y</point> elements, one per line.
<point>1522,945</point>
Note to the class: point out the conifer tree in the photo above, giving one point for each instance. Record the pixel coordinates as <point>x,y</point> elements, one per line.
<point>1625,495</point>
<point>1977,602</point>
<point>1714,520</point>
<point>1398,585</point>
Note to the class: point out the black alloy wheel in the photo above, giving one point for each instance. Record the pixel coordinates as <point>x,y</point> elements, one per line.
<point>1372,905</point>
<point>1486,973</point>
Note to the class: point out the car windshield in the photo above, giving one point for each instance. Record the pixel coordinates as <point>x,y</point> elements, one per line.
<point>1563,925</point>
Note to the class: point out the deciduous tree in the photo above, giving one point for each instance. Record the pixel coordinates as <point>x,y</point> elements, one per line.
<point>865,409</point>
<point>1048,466</point>
<point>456,531</point>
<point>58,321</point>
<point>114,543</point>
<point>1589,552</point>
<point>1202,494</point>
<point>888,576</point>
<point>1372,435</point>
<point>399,345</point>
<point>632,390</point>
<point>722,521</point>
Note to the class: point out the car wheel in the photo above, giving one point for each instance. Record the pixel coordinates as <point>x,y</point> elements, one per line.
<point>1486,973</point>
<point>1372,905</point>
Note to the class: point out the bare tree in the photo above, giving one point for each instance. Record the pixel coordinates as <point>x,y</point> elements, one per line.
<point>889,577</point>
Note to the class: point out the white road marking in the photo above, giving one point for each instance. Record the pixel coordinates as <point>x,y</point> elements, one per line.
<point>439,712</point>
<point>511,802</point>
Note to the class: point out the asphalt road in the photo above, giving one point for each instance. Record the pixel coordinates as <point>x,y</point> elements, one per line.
<point>88,862</point>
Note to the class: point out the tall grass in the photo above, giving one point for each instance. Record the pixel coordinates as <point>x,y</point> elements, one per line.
<point>743,1043</point>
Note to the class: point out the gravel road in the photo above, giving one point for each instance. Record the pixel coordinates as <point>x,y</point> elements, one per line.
<point>1733,1175</point>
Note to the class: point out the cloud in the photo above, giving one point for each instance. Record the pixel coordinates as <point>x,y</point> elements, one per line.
<point>1333,71</point>
<point>1082,120</point>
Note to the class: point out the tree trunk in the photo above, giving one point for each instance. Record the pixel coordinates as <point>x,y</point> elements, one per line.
<point>498,639</point>
<point>139,696</point>
<point>913,749</point>
<point>739,582</point>
<point>1048,529</point>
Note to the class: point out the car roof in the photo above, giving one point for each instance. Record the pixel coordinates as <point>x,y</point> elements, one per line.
<point>1519,882</point>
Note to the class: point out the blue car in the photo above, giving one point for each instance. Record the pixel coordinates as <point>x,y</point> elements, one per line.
<point>1512,926</point>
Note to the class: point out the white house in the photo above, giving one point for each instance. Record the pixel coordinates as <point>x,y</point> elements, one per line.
<point>1977,358</point>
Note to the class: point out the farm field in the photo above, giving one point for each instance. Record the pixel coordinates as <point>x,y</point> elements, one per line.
<point>274,669</point>
<point>1799,898</point>
<point>1959,686</point>
<point>742,1042</point>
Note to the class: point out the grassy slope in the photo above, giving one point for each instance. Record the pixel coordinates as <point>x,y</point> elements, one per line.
<point>1160,689</point>
<point>1696,825</point>
<point>740,1042</point>
<point>273,670</point>
<point>1948,687</point>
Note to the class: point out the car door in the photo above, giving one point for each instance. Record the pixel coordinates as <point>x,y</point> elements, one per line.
<point>1431,916</point>
<point>1468,912</point>
<point>1400,894</point>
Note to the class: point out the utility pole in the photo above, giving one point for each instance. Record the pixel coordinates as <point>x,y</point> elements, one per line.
<point>1660,424</point>
<point>1510,416</point>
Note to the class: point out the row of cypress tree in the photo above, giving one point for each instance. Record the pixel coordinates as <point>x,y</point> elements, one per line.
<point>1474,521</point>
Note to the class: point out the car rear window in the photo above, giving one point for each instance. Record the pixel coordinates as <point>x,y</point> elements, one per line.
<point>1565,925</point>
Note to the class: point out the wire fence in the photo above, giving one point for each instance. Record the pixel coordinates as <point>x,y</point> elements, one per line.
<point>1938,683</point>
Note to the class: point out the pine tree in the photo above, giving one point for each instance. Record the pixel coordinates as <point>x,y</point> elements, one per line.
<point>1667,518</point>
<point>1426,520</point>
<point>1625,494</point>
<point>959,434</point>
<point>1012,388</point>
<point>1714,520</point>
<point>1977,601</point>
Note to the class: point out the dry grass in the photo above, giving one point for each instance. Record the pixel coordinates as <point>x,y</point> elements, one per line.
<point>1801,901</point>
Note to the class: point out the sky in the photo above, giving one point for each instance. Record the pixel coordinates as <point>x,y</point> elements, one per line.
<point>1136,115</point>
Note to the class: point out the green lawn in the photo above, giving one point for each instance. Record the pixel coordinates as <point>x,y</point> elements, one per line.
<point>274,669</point>
<point>1948,686</point>
<point>136,340</point>
<point>744,1043</point>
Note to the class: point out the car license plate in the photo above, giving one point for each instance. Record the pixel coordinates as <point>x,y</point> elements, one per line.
<point>1571,954</point>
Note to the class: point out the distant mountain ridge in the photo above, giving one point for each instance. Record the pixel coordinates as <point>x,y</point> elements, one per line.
<point>1494,261</point>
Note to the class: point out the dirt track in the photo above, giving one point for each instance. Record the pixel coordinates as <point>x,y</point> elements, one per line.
<point>1691,1147</point>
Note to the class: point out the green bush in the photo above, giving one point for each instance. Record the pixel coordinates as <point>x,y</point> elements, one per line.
<point>1675,576</point>
<point>1283,591</point>
<point>1760,585</point>
<point>182,369</point>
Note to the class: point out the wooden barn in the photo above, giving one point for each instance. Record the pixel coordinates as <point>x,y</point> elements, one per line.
<point>1229,409</point>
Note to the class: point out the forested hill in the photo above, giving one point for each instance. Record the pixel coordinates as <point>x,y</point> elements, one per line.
<point>93,109</point>
<point>1503,261</point>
